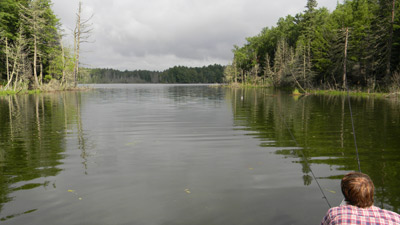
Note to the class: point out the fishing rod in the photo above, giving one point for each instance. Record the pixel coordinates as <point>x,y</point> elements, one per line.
<point>306,161</point>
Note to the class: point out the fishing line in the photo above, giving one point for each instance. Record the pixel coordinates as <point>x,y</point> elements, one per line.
<point>348,97</point>
<point>352,125</point>
<point>306,161</point>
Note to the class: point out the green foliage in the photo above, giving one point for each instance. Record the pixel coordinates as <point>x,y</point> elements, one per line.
<point>307,50</point>
<point>9,18</point>
<point>115,76</point>
<point>182,74</point>
<point>177,74</point>
<point>351,93</point>
<point>296,92</point>
<point>30,51</point>
<point>47,78</point>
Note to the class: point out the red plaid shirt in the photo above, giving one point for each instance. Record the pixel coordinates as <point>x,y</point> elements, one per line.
<point>349,214</point>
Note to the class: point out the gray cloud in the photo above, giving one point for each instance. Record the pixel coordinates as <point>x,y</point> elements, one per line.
<point>158,34</point>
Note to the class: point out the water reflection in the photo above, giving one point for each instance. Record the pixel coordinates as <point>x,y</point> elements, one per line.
<point>32,142</point>
<point>184,154</point>
<point>322,127</point>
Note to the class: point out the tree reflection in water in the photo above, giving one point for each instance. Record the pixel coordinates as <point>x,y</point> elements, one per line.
<point>322,127</point>
<point>32,141</point>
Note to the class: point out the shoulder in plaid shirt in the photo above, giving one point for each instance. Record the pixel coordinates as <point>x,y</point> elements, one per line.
<point>349,214</point>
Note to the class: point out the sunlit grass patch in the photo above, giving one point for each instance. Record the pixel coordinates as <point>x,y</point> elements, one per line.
<point>351,93</point>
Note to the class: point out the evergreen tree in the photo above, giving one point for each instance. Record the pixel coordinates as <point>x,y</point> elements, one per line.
<point>359,42</point>
<point>31,51</point>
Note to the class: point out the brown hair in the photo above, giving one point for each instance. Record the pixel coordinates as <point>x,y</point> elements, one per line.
<point>358,189</point>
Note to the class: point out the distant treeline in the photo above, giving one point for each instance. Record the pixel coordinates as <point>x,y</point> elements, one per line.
<point>358,42</point>
<point>116,76</point>
<point>178,74</point>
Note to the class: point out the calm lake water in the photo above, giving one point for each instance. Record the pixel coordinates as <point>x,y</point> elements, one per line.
<point>188,154</point>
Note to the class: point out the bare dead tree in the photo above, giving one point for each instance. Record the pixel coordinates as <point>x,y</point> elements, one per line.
<point>388,63</point>
<point>63,79</point>
<point>7,65</point>
<point>82,31</point>
<point>17,52</point>
<point>345,58</point>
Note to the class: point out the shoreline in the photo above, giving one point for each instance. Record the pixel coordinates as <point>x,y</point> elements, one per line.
<point>39,91</point>
<point>295,91</point>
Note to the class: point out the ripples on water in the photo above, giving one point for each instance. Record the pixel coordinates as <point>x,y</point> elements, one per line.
<point>187,154</point>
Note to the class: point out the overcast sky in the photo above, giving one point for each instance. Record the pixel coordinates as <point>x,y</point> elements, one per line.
<point>159,34</point>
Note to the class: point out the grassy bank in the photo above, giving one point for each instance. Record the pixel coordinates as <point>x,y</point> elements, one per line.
<point>296,91</point>
<point>37,91</point>
<point>11,92</point>
<point>355,93</point>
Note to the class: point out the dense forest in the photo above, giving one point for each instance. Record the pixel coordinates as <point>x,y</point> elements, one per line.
<point>32,53</point>
<point>358,44</point>
<point>177,74</point>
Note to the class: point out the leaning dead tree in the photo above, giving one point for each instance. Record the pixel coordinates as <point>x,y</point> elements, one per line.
<point>82,31</point>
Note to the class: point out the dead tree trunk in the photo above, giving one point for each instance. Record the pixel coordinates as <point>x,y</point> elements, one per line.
<point>390,41</point>
<point>35,60</point>
<point>7,66</point>
<point>63,80</point>
<point>77,34</point>
<point>81,34</point>
<point>345,58</point>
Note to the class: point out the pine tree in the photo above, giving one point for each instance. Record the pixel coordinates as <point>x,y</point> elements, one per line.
<point>33,18</point>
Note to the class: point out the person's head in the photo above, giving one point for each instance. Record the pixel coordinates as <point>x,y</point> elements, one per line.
<point>358,189</point>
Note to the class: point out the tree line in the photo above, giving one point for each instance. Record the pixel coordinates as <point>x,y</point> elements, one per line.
<point>357,44</point>
<point>177,74</point>
<point>32,53</point>
<point>107,75</point>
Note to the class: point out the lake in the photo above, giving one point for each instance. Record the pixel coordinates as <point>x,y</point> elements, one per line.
<point>189,154</point>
